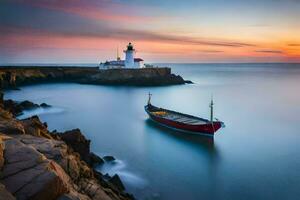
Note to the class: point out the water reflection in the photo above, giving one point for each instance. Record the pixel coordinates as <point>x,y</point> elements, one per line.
<point>256,102</point>
<point>190,148</point>
<point>202,140</point>
<point>204,145</point>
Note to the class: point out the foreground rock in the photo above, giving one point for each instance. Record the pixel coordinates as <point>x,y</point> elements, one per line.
<point>78,142</point>
<point>115,180</point>
<point>4,194</point>
<point>36,164</point>
<point>1,152</point>
<point>28,174</point>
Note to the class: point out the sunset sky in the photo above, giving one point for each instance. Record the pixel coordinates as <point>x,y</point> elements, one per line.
<point>90,31</point>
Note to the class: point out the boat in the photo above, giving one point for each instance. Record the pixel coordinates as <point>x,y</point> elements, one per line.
<point>183,122</point>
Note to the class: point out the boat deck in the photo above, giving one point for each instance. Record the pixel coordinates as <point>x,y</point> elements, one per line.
<point>179,118</point>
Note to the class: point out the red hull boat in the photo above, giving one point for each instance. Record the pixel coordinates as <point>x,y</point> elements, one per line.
<point>183,122</point>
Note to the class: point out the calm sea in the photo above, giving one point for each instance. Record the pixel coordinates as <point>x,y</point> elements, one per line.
<point>256,156</point>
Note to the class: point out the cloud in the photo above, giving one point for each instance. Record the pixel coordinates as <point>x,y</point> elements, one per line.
<point>211,51</point>
<point>120,34</point>
<point>269,51</point>
<point>294,45</point>
<point>113,11</point>
<point>35,17</point>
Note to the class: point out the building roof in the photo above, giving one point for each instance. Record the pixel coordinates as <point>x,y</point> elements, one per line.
<point>138,60</point>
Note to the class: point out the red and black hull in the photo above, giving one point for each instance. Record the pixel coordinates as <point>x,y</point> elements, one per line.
<point>208,128</point>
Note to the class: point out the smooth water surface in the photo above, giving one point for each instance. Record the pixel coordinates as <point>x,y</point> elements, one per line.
<point>256,156</point>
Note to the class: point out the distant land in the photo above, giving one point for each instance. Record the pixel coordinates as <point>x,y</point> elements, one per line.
<point>14,76</point>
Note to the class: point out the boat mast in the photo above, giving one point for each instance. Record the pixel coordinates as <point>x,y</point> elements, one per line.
<point>149,98</point>
<point>118,56</point>
<point>211,109</point>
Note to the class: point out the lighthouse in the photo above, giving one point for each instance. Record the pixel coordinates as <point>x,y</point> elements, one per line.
<point>129,62</point>
<point>129,56</point>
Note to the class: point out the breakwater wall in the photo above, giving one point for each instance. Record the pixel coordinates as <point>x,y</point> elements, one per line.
<point>17,76</point>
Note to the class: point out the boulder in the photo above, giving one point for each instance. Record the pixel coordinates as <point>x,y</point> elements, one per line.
<point>33,126</point>
<point>116,181</point>
<point>44,105</point>
<point>95,160</point>
<point>188,82</point>
<point>28,174</point>
<point>17,108</point>
<point>27,105</point>
<point>76,140</point>
<point>4,114</point>
<point>11,126</point>
<point>12,107</point>
<point>106,176</point>
<point>108,158</point>
<point>58,151</point>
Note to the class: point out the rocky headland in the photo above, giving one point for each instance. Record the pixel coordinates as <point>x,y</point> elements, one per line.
<point>36,164</point>
<point>12,77</point>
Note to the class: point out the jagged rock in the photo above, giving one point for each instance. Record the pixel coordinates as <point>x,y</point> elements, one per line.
<point>11,126</point>
<point>1,152</point>
<point>116,181</point>
<point>106,176</point>
<point>58,151</point>
<point>98,175</point>
<point>1,99</point>
<point>12,107</point>
<point>28,174</point>
<point>33,126</point>
<point>44,105</point>
<point>16,108</point>
<point>4,194</point>
<point>31,148</point>
<point>27,105</point>
<point>95,191</point>
<point>52,149</point>
<point>38,167</point>
<point>78,142</point>
<point>79,172</point>
<point>188,82</point>
<point>95,160</point>
<point>73,196</point>
<point>109,158</point>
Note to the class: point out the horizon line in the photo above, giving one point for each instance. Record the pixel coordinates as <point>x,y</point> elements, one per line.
<point>96,64</point>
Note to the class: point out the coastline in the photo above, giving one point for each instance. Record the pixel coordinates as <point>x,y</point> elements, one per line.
<point>38,164</point>
<point>13,77</point>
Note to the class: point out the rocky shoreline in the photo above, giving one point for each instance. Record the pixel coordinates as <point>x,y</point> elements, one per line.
<point>13,77</point>
<point>38,164</point>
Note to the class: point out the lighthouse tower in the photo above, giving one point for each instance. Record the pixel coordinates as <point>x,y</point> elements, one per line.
<point>129,56</point>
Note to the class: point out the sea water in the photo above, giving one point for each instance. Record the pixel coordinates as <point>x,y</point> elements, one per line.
<point>256,156</point>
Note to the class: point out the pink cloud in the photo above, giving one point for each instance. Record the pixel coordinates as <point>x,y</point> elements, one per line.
<point>98,10</point>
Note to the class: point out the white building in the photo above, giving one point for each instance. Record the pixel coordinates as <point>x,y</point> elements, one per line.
<point>139,63</point>
<point>129,62</point>
<point>129,56</point>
